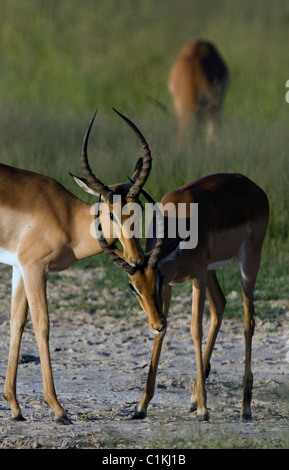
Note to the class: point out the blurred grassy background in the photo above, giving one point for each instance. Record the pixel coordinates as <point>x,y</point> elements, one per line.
<point>62,59</point>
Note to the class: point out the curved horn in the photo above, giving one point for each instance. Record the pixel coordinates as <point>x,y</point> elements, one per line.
<point>156,252</point>
<point>109,250</point>
<point>104,190</point>
<point>137,170</point>
<point>143,173</point>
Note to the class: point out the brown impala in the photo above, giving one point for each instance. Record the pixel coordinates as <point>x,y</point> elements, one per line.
<point>233,215</point>
<point>197,82</point>
<point>44,228</point>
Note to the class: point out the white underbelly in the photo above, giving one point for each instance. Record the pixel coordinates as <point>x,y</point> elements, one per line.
<point>227,245</point>
<point>9,258</point>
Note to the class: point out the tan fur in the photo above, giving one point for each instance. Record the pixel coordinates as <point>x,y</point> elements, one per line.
<point>197,82</point>
<point>233,218</point>
<point>44,228</point>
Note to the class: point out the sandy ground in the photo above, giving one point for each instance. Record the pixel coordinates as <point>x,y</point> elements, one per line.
<point>100,365</point>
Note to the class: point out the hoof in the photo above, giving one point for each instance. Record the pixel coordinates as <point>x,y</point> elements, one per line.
<point>193,407</point>
<point>246,415</point>
<point>63,420</point>
<point>18,418</point>
<point>139,415</point>
<point>202,415</point>
<point>204,418</point>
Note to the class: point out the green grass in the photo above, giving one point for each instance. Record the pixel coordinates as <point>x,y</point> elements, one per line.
<point>61,60</point>
<point>68,54</point>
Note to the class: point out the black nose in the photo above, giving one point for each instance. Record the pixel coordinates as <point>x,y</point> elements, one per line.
<point>164,327</point>
<point>161,327</point>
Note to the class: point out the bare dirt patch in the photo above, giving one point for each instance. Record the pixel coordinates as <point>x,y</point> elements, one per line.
<point>100,363</point>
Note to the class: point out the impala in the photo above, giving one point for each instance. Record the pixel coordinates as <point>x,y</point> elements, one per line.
<point>197,82</point>
<point>44,228</point>
<point>233,215</point>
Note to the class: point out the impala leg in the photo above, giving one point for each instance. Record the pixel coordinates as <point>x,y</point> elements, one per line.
<point>19,309</point>
<point>199,292</point>
<point>249,260</point>
<point>249,325</point>
<point>35,284</point>
<point>148,393</point>
<point>217,302</point>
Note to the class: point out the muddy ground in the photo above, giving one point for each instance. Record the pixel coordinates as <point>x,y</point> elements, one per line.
<point>100,363</point>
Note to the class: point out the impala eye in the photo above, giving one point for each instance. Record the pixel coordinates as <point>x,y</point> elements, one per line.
<point>113,218</point>
<point>132,288</point>
<point>135,290</point>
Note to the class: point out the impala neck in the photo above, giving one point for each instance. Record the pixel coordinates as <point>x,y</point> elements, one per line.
<point>84,239</point>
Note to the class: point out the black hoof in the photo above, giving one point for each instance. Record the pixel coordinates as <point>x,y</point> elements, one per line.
<point>18,418</point>
<point>193,408</point>
<point>63,420</point>
<point>139,415</point>
<point>246,417</point>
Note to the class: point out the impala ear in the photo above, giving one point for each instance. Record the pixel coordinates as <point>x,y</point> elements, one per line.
<point>87,187</point>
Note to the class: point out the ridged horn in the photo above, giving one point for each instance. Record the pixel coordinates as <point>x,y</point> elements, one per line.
<point>101,188</point>
<point>157,250</point>
<point>143,172</point>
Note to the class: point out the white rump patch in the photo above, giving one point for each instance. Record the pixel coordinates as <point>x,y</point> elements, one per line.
<point>9,258</point>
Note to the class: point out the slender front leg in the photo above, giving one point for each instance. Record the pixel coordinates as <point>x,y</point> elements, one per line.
<point>35,285</point>
<point>217,302</point>
<point>249,326</point>
<point>249,260</point>
<point>148,393</point>
<point>199,292</point>
<point>19,309</point>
